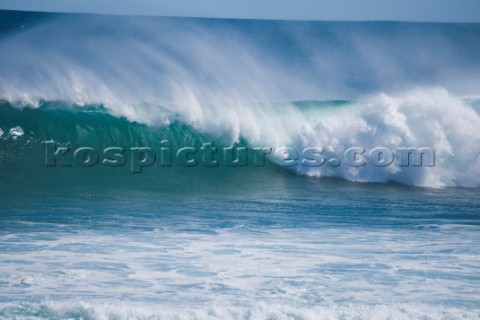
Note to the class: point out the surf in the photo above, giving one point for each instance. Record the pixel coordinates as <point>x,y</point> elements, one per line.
<point>136,81</point>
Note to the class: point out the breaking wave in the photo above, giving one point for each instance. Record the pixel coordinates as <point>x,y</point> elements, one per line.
<point>95,80</point>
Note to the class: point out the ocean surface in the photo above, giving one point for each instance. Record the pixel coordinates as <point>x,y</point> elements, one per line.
<point>147,231</point>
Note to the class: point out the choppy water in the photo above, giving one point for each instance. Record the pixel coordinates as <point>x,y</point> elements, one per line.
<point>306,250</point>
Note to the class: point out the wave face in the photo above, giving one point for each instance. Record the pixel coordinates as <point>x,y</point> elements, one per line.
<point>111,81</point>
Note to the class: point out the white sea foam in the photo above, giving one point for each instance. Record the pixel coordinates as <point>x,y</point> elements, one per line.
<point>292,269</point>
<point>430,118</point>
<point>16,132</point>
<point>260,310</point>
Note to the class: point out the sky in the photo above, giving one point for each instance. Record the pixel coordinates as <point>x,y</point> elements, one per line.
<point>403,10</point>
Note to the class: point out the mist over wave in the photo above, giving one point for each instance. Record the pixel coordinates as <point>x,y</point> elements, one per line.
<point>411,85</point>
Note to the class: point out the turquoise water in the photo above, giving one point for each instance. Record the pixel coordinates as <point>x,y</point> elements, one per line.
<point>237,242</point>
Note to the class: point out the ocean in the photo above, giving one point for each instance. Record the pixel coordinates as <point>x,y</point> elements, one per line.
<point>188,168</point>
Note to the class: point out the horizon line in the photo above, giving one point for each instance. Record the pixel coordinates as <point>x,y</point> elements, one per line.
<point>234,18</point>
